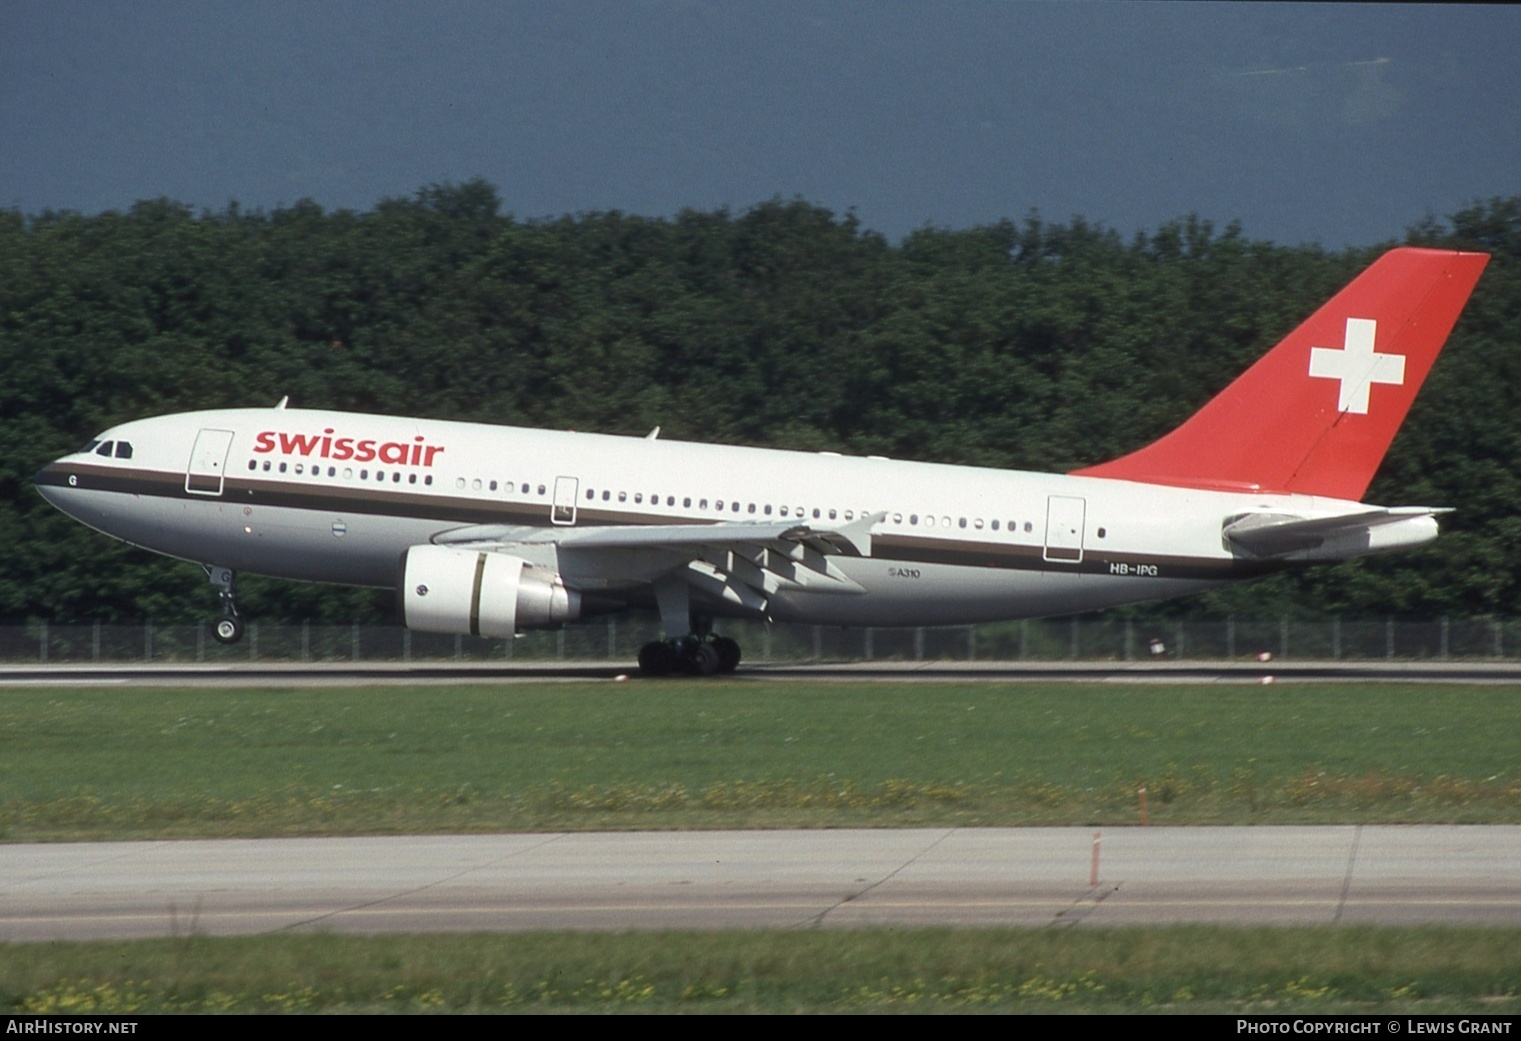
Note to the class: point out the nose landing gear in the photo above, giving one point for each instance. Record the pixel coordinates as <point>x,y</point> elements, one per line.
<point>228,628</point>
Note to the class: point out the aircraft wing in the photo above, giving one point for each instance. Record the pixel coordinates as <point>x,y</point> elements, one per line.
<point>1277,535</point>
<point>742,563</point>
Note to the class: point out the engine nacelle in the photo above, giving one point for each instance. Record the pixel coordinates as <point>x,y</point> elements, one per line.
<point>480,593</point>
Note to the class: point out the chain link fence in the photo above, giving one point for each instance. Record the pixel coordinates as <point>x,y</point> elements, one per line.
<point>619,639</point>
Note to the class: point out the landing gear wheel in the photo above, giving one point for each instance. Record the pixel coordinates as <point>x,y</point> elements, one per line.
<point>728,653</point>
<point>658,658</point>
<point>228,629</point>
<point>701,659</point>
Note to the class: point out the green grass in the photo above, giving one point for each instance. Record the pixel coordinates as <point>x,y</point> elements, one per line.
<point>1185,969</point>
<point>107,763</point>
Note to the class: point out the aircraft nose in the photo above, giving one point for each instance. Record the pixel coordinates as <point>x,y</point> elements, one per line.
<point>53,484</point>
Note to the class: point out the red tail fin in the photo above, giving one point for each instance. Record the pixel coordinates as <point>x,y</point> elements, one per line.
<point>1316,414</point>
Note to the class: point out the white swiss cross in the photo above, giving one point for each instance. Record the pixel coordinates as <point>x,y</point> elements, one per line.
<point>1358,367</point>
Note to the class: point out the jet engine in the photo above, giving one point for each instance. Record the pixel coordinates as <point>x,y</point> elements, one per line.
<point>445,590</point>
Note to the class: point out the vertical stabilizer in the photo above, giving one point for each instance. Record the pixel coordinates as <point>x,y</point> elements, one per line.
<point>1316,414</point>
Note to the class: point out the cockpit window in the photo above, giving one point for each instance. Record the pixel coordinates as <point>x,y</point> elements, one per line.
<point>105,448</point>
<point>90,447</point>
<point>124,449</point>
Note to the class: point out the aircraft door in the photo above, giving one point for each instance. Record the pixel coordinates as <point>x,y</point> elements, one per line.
<point>564,509</point>
<point>208,462</point>
<point>1064,528</point>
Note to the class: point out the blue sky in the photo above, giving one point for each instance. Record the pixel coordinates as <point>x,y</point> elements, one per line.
<point>1330,123</point>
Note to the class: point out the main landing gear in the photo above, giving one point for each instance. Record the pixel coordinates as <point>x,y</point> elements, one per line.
<point>692,655</point>
<point>229,628</point>
<point>699,652</point>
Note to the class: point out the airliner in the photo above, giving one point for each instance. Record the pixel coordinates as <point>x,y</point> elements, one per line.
<point>489,531</point>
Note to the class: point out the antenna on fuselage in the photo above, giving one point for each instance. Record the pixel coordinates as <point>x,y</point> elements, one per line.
<point>652,435</point>
<point>284,401</point>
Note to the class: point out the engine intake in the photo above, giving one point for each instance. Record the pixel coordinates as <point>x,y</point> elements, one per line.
<point>446,590</point>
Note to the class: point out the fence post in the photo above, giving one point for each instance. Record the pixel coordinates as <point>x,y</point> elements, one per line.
<point>971,643</point>
<point>406,645</point>
<point>868,643</point>
<point>459,646</point>
<point>818,643</point>
<point>1024,638</point>
<point>1177,644</point>
<point>95,642</point>
<point>1444,638</point>
<point>306,639</point>
<point>42,642</point>
<point>1336,638</point>
<point>919,644</point>
<point>148,641</point>
<point>1498,629</point>
<point>612,638</point>
<point>1074,638</point>
<point>253,641</point>
<point>1230,636</point>
<point>1389,638</point>
<point>1129,640</point>
<point>200,641</point>
<point>560,644</point>
<point>1283,637</point>
<point>766,644</point>
<point>353,641</point>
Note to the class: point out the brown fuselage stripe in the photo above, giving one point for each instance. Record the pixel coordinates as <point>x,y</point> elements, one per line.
<point>448,509</point>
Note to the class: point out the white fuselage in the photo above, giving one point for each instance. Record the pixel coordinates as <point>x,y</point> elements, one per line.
<point>339,497</point>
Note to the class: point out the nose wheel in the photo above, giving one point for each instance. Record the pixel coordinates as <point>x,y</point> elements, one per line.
<point>228,628</point>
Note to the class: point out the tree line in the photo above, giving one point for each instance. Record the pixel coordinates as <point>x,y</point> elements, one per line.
<point>1024,344</point>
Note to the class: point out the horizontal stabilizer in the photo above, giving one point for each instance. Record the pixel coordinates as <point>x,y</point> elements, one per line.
<point>1279,535</point>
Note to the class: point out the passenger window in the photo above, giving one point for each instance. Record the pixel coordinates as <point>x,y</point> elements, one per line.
<point>995,525</point>
<point>266,466</point>
<point>396,478</point>
<point>541,489</point>
<point>492,485</point>
<point>300,469</point>
<point>412,479</point>
<point>606,495</point>
<point>752,508</point>
<point>590,495</point>
<point>623,496</point>
<point>687,502</point>
<point>1029,526</point>
<point>253,464</point>
<point>282,467</point>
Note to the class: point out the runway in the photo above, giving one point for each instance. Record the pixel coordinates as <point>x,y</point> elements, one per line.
<point>1023,877</point>
<point>370,673</point>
